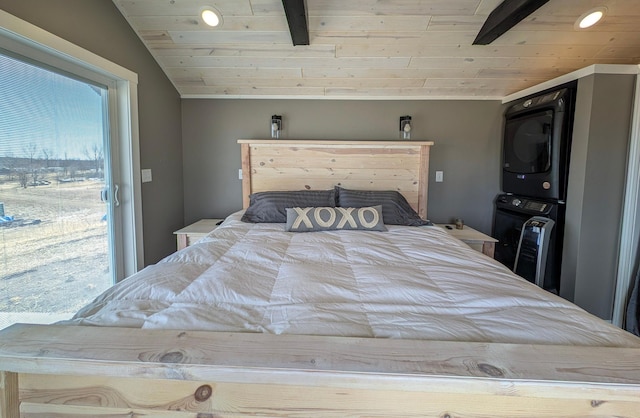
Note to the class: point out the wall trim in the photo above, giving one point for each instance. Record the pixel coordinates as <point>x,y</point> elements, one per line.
<point>368,98</point>
<point>630,230</point>
<point>572,76</point>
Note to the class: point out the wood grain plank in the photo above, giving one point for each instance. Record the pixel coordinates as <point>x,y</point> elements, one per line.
<point>423,181</point>
<point>407,43</point>
<point>181,8</point>
<point>324,161</point>
<point>282,62</point>
<point>396,7</point>
<point>314,148</point>
<point>246,50</point>
<point>193,23</point>
<point>399,93</point>
<point>271,73</point>
<point>95,397</point>
<point>315,82</point>
<point>408,189</point>
<point>315,360</point>
<point>338,173</point>
<point>245,157</point>
<point>236,91</point>
<point>419,50</point>
<point>483,83</point>
<point>323,24</point>
<point>9,398</point>
<point>231,36</point>
<point>415,73</point>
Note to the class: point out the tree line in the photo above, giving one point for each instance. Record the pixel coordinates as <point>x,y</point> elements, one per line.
<point>35,166</point>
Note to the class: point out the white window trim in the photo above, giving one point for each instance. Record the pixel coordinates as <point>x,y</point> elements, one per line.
<point>22,37</point>
<point>630,230</point>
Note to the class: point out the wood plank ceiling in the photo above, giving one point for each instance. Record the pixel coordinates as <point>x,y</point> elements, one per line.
<point>395,49</point>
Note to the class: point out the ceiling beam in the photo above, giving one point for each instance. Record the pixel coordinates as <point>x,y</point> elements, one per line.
<point>504,17</point>
<point>297,19</point>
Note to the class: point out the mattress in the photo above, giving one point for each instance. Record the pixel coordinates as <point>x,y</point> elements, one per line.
<point>407,282</point>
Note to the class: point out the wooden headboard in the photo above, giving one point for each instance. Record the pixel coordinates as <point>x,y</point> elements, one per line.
<point>319,165</point>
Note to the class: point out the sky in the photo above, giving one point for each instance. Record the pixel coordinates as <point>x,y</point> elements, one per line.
<point>46,111</point>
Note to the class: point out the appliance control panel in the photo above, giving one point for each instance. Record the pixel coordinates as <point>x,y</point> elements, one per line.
<point>543,100</point>
<point>537,206</point>
<point>522,203</point>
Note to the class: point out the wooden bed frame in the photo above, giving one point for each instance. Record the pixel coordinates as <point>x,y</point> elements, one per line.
<point>77,371</point>
<point>319,165</point>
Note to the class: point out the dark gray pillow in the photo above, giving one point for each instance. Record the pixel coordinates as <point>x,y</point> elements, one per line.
<point>331,219</point>
<point>395,208</point>
<point>270,207</point>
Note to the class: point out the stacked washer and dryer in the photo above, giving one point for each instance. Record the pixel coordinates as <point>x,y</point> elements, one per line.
<point>535,169</point>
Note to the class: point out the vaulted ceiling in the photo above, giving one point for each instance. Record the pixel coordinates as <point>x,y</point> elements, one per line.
<point>395,49</point>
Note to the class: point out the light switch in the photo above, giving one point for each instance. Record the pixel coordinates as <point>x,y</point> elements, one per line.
<point>439,176</point>
<point>146,175</point>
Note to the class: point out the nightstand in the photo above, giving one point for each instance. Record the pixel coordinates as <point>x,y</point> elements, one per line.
<point>474,239</point>
<point>192,233</point>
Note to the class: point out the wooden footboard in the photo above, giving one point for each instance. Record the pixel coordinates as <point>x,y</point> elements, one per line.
<point>67,371</point>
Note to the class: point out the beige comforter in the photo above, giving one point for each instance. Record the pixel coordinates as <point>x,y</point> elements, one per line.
<point>408,282</point>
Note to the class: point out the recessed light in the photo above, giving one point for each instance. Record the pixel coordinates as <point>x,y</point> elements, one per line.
<point>210,16</point>
<point>590,18</point>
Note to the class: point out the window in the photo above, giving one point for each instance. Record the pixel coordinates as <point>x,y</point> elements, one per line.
<point>109,157</point>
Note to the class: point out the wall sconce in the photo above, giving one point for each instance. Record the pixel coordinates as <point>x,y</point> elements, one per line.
<point>405,127</point>
<point>276,126</point>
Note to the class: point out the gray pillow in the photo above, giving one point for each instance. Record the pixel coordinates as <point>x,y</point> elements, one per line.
<point>395,208</point>
<point>331,219</point>
<point>270,207</point>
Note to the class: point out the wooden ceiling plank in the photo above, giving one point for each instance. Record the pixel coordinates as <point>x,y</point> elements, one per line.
<point>584,38</point>
<point>226,37</point>
<point>245,50</point>
<point>468,53</point>
<point>417,92</point>
<point>253,91</point>
<point>396,7</point>
<point>482,83</point>
<point>502,73</point>
<point>357,73</point>
<point>253,73</point>
<point>323,24</point>
<point>404,40</point>
<point>267,7</point>
<point>193,23</point>
<point>624,55</point>
<point>182,8</point>
<point>456,23</point>
<point>316,82</point>
<point>249,62</point>
<point>297,20</point>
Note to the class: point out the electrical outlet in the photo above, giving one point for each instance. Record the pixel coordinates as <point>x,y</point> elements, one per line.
<point>439,176</point>
<point>239,174</point>
<point>146,175</point>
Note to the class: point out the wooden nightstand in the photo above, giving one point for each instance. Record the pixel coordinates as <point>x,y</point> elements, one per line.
<point>474,239</point>
<point>192,233</point>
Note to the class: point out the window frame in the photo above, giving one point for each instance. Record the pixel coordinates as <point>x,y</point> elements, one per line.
<point>23,38</point>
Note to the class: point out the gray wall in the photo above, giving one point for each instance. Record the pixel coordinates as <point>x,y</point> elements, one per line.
<point>596,191</point>
<point>467,136</point>
<point>98,26</point>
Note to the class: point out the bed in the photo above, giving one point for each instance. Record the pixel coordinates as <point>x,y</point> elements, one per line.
<point>256,321</point>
